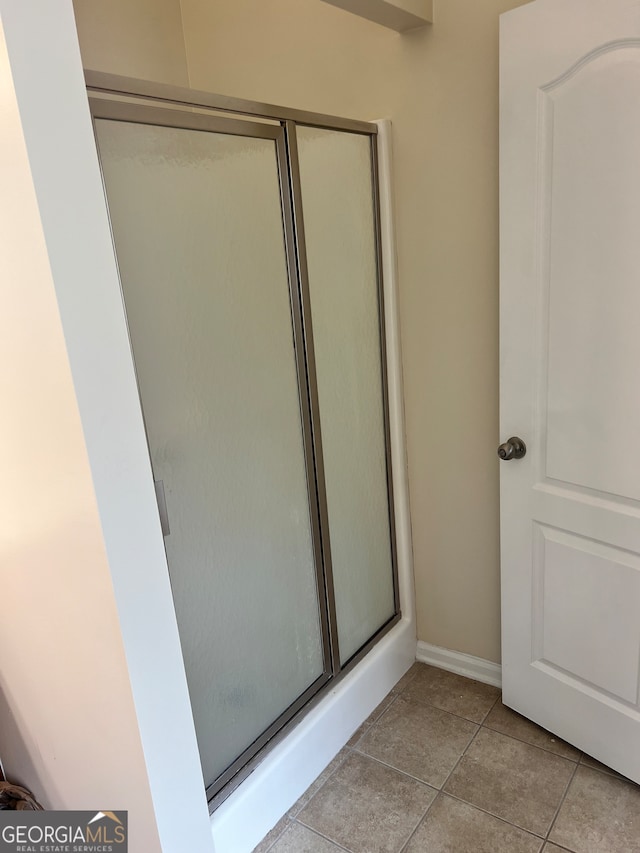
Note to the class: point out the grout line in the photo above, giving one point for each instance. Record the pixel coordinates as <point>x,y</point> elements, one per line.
<point>534,745</point>
<point>396,770</point>
<point>400,690</point>
<point>486,811</point>
<point>366,727</point>
<point>278,836</point>
<point>382,714</point>
<point>530,832</point>
<point>607,771</point>
<point>464,752</point>
<point>363,731</point>
<point>377,720</point>
<point>440,792</point>
<point>484,725</point>
<point>419,824</point>
<point>445,711</point>
<point>322,835</point>
<point>563,798</point>
<point>498,699</point>
<point>544,837</point>
<point>294,815</point>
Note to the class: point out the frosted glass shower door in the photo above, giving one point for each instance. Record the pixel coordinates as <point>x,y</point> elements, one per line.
<point>204,257</point>
<point>338,193</point>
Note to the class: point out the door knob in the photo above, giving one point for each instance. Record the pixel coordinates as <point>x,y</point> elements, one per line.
<point>513,448</point>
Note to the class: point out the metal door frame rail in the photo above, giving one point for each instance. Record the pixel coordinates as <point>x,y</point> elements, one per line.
<point>305,299</point>
<point>375,185</point>
<point>157,100</point>
<point>115,84</point>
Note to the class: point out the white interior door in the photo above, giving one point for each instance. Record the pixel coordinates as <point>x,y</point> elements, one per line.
<point>570,361</point>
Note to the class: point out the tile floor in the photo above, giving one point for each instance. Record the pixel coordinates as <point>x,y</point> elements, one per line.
<point>442,766</point>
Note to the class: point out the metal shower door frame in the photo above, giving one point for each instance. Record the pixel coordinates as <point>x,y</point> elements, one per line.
<point>123,99</point>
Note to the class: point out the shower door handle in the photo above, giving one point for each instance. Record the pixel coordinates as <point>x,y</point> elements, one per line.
<point>162,507</point>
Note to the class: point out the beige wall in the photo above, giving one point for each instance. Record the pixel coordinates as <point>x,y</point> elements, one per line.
<point>68,727</point>
<point>439,85</point>
<point>440,88</point>
<point>136,38</point>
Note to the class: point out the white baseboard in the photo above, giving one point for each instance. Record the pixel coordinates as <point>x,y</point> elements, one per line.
<point>467,665</point>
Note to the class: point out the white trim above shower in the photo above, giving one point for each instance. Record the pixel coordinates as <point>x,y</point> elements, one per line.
<point>399,15</point>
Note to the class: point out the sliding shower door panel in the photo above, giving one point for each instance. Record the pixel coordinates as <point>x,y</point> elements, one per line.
<point>197,219</point>
<point>340,225</point>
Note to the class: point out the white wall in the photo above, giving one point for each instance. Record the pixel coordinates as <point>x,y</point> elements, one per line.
<point>136,38</point>
<point>94,712</point>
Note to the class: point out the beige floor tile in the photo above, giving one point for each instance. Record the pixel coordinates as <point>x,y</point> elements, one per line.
<point>503,719</point>
<point>373,717</point>
<point>601,814</point>
<point>379,710</point>
<point>453,693</point>
<point>355,737</point>
<point>454,827</point>
<point>366,806</point>
<point>299,839</point>
<point>318,782</point>
<point>272,836</point>
<point>513,780</point>
<point>553,848</point>
<point>596,765</point>
<point>418,739</point>
<point>409,675</point>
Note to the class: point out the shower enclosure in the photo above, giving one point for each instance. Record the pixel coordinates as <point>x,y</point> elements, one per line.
<point>247,241</point>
